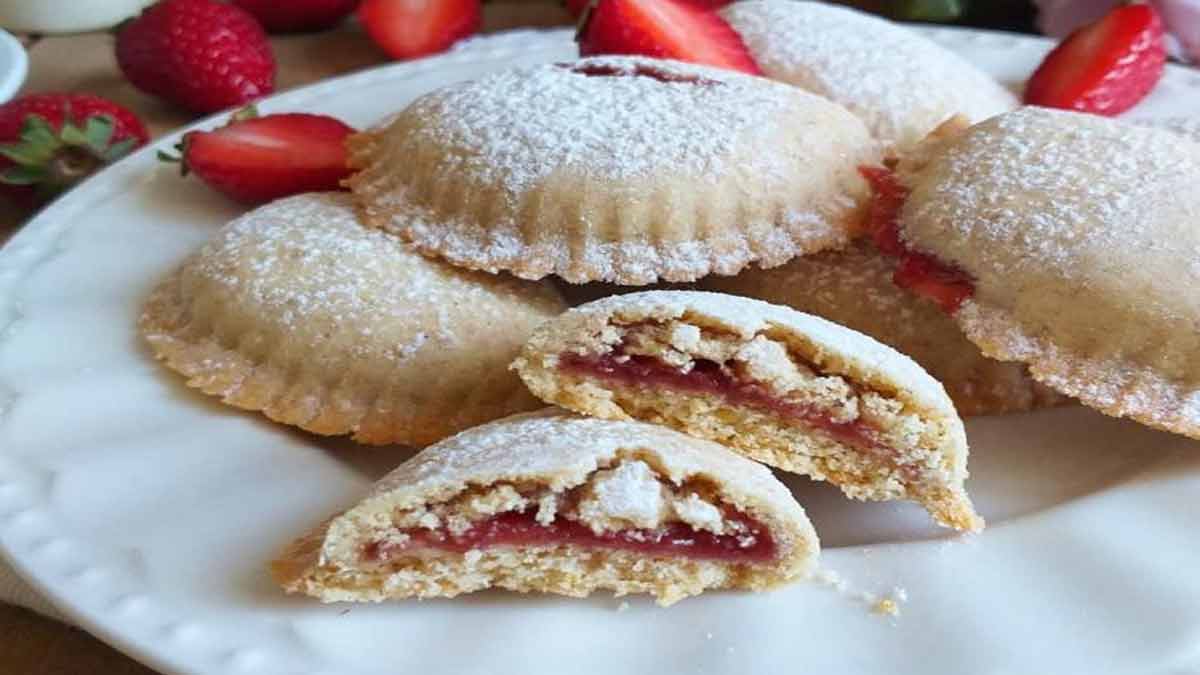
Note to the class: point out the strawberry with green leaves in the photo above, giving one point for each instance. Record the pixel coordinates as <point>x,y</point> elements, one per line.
<point>49,142</point>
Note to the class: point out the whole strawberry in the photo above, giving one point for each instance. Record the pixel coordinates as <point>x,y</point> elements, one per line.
<point>256,159</point>
<point>298,15</point>
<point>49,142</point>
<point>202,55</point>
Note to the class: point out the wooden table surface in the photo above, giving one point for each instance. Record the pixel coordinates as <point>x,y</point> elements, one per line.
<point>29,643</point>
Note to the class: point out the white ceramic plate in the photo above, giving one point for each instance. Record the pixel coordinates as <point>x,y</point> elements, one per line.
<point>14,65</point>
<point>146,511</point>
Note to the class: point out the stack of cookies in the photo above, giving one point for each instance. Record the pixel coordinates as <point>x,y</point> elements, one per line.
<point>1027,258</point>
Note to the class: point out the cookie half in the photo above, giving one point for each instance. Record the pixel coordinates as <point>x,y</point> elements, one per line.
<point>899,83</point>
<point>297,310</point>
<point>853,287</point>
<point>620,169</point>
<point>550,502</point>
<point>1077,236</point>
<point>785,388</point>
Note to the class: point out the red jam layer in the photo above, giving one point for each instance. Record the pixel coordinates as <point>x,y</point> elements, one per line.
<point>522,529</point>
<point>707,377</point>
<point>638,70</point>
<point>922,274</point>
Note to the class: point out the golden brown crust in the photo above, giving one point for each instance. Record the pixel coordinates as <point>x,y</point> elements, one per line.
<point>298,312</point>
<point>854,287</point>
<point>802,358</point>
<point>554,451</point>
<point>899,83</point>
<point>653,170</point>
<point>1079,233</point>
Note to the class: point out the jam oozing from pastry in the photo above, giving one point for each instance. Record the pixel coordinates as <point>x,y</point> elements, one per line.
<point>753,543</point>
<point>709,377</point>
<point>920,273</point>
<point>637,70</point>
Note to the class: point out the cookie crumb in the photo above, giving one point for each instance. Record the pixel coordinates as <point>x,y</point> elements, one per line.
<point>623,607</point>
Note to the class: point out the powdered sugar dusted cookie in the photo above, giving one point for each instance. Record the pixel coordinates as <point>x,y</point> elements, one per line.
<point>854,287</point>
<point>554,503</point>
<point>901,84</point>
<point>788,389</point>
<point>620,169</point>
<point>297,310</point>
<point>1079,237</point>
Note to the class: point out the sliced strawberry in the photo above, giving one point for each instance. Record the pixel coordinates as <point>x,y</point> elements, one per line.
<point>1103,68</point>
<point>665,29</point>
<point>258,159</point>
<point>407,29</point>
<point>927,276</point>
<point>884,218</point>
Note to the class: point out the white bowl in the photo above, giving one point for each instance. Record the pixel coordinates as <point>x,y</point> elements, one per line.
<point>66,16</point>
<point>14,64</point>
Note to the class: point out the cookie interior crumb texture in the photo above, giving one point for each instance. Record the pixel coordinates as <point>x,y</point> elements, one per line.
<point>555,503</point>
<point>787,389</point>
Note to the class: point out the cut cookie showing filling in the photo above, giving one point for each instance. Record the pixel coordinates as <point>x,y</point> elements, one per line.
<point>785,388</point>
<point>551,502</point>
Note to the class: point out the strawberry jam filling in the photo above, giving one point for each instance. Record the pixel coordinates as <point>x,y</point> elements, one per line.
<point>920,273</point>
<point>708,377</point>
<point>636,70</point>
<point>753,543</point>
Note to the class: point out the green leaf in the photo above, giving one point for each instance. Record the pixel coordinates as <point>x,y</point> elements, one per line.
<point>22,175</point>
<point>118,150</point>
<point>71,134</point>
<point>21,154</point>
<point>247,113</point>
<point>38,132</point>
<point>929,10</point>
<point>98,132</point>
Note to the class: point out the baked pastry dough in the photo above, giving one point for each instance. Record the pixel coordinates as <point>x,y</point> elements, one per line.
<point>1079,234</point>
<point>297,310</point>
<point>901,84</point>
<point>620,169</point>
<point>788,389</point>
<point>854,287</point>
<point>555,503</point>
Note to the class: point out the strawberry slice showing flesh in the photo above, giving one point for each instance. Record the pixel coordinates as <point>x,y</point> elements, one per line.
<point>665,29</point>
<point>923,274</point>
<point>264,158</point>
<point>1104,68</point>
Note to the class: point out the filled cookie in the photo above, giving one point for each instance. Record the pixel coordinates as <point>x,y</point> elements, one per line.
<point>785,388</point>
<point>621,169</point>
<point>854,287</point>
<point>898,82</point>
<point>1067,242</point>
<point>554,503</point>
<point>298,311</point>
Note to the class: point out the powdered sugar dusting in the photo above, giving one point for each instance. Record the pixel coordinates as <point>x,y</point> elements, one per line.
<point>563,450</point>
<point>1080,232</point>
<point>622,169</point>
<point>1079,198</point>
<point>854,287</point>
<point>306,265</point>
<point>899,83</point>
<point>521,125</point>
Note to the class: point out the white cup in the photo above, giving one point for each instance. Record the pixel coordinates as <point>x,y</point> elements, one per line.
<point>66,16</point>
